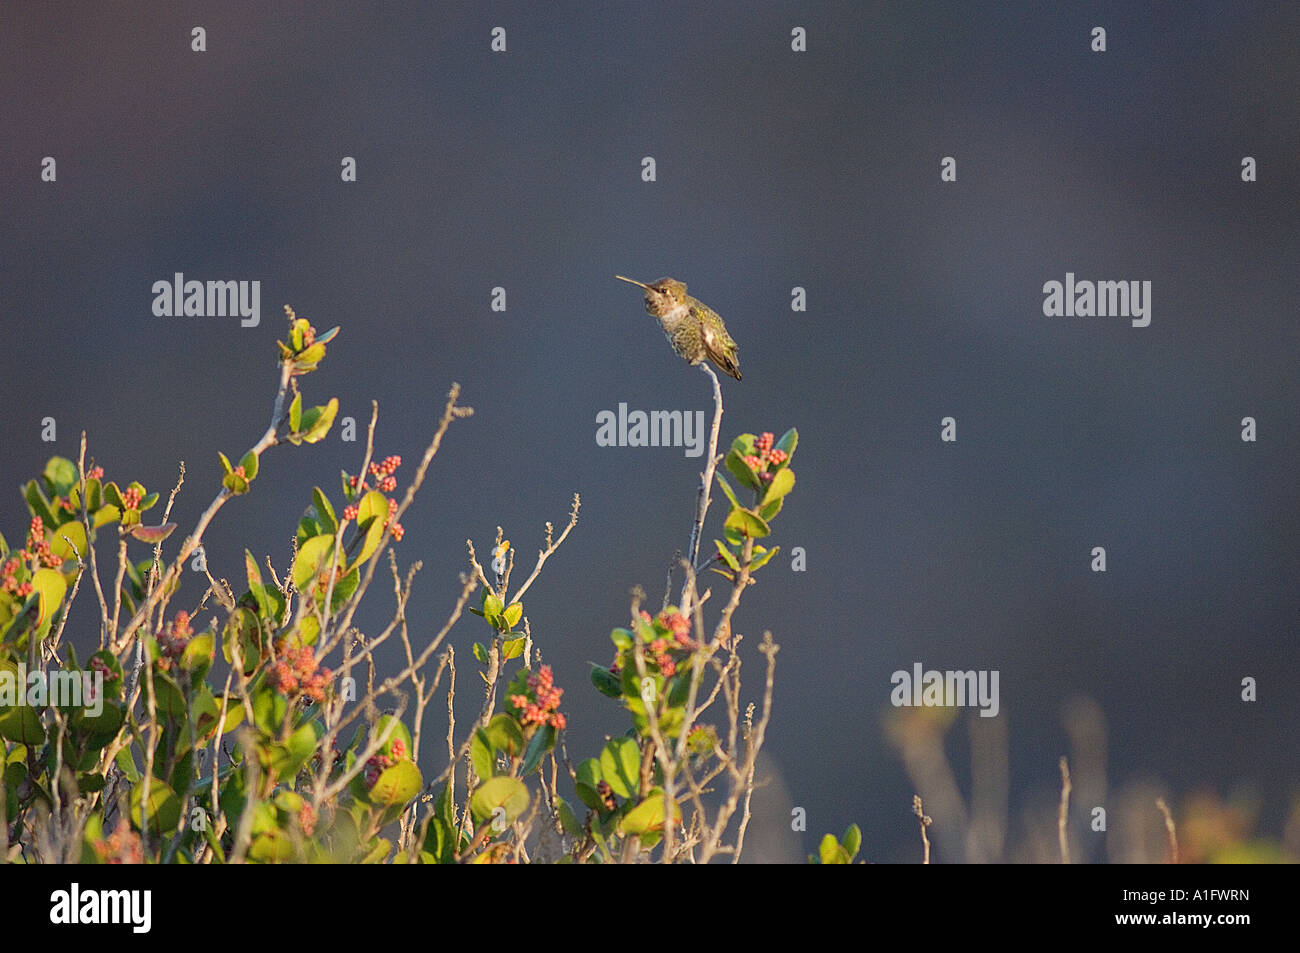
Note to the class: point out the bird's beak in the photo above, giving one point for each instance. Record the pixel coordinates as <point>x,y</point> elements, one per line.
<point>631,282</point>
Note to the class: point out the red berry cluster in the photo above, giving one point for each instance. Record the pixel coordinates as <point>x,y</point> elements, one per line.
<point>377,763</point>
<point>387,483</point>
<point>606,794</point>
<point>239,471</point>
<point>173,639</point>
<point>765,457</point>
<point>296,673</point>
<point>667,623</point>
<point>9,578</point>
<point>383,473</point>
<point>398,532</point>
<point>95,473</point>
<point>99,665</point>
<point>541,708</point>
<point>120,847</point>
<point>131,497</point>
<point>37,546</point>
<point>309,336</point>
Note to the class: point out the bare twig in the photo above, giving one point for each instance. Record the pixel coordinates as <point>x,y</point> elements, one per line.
<point>545,554</point>
<point>706,481</point>
<point>1170,828</point>
<point>925,821</point>
<point>1063,812</point>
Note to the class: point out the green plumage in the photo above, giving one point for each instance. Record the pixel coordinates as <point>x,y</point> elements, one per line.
<point>694,330</point>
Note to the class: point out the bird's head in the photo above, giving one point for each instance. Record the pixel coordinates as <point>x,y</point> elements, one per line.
<point>663,295</point>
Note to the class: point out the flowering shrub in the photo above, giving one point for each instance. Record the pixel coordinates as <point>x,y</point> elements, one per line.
<point>273,752</point>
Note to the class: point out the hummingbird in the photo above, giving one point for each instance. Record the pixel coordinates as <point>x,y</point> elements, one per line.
<point>693,328</point>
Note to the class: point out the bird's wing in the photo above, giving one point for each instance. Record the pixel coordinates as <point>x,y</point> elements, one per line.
<point>721,350</point>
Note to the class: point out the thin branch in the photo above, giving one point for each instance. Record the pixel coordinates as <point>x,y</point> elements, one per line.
<point>1169,827</point>
<point>706,481</point>
<point>925,821</point>
<point>1063,812</point>
<point>551,546</point>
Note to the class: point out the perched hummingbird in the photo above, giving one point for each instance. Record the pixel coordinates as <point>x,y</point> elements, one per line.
<point>693,328</point>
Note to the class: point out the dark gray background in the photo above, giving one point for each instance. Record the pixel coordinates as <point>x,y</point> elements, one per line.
<point>775,169</point>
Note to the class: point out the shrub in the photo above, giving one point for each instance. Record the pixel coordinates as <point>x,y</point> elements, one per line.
<point>272,753</point>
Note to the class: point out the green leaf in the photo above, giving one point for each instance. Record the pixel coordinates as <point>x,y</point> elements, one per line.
<point>324,511</point>
<point>295,413</point>
<point>286,760</point>
<point>727,556</point>
<point>49,586</point>
<point>169,700</point>
<point>399,732</point>
<point>481,755</point>
<point>126,764</point>
<point>743,445</point>
<point>243,627</point>
<point>481,652</point>
<point>648,816</point>
<point>163,811</point>
<point>62,474</point>
<point>372,514</point>
<point>309,357</point>
<point>38,504</point>
<point>782,483</point>
<point>114,496</point>
<point>312,559</point>
<point>741,471</point>
<point>588,777</point>
<point>343,589</point>
<point>512,614</point>
<point>492,609</point>
<point>271,847</point>
<point>199,653</point>
<point>758,562</point>
<point>789,440</point>
<point>249,462</point>
<point>727,490</point>
<point>606,682</point>
<point>622,639</point>
<point>327,336</point>
<point>746,523</point>
<point>541,742</point>
<point>831,852</point>
<point>513,648</point>
<point>506,792</point>
<point>253,573</point>
<point>316,422</point>
<point>378,853</point>
<point>503,734</point>
<point>76,536</point>
<point>852,840</point>
<point>22,723</point>
<point>620,765</point>
<point>568,820</point>
<point>397,785</point>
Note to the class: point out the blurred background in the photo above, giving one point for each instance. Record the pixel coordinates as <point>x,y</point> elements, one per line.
<point>775,169</point>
